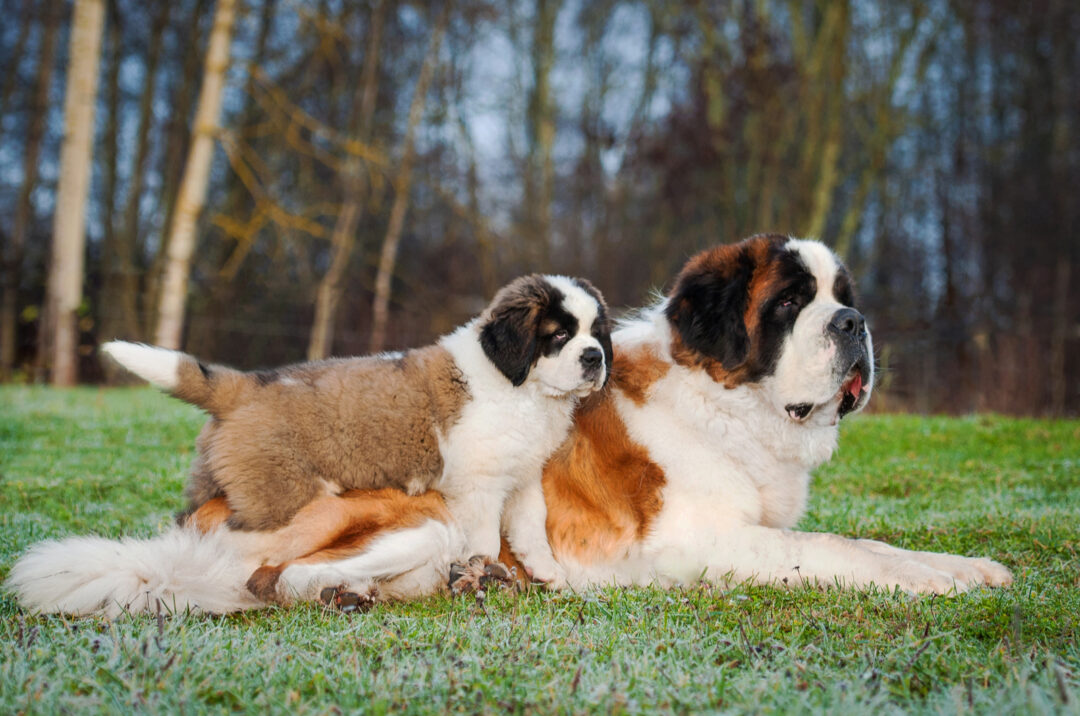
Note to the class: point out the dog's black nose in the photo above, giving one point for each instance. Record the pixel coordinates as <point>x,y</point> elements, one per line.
<point>849,321</point>
<point>592,357</point>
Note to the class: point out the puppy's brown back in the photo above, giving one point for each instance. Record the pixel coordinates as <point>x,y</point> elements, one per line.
<point>313,428</point>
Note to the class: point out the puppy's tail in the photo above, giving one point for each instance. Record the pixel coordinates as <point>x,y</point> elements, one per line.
<point>215,389</point>
<point>182,569</point>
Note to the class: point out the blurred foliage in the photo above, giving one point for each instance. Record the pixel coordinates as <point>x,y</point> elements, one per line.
<point>934,145</point>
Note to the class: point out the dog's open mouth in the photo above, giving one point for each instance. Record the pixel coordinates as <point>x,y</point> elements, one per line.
<point>852,391</point>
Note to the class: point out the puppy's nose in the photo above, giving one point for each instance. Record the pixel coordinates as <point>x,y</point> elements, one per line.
<point>592,357</point>
<point>849,321</point>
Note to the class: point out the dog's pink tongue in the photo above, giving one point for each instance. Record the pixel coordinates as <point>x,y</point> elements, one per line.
<point>856,385</point>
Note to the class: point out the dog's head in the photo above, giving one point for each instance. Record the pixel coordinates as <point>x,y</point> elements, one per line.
<point>778,313</point>
<point>550,329</point>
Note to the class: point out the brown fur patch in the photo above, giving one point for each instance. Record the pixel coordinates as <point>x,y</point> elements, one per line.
<point>209,516</point>
<point>360,423</point>
<point>601,488</point>
<point>636,370</point>
<point>688,357</point>
<point>263,583</point>
<point>215,388</point>
<point>360,516</point>
<point>510,560</point>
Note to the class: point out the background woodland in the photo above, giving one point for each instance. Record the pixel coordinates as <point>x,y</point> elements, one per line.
<point>264,181</point>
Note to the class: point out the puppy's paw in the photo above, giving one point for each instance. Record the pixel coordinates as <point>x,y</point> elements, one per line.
<point>347,599</point>
<point>479,574</point>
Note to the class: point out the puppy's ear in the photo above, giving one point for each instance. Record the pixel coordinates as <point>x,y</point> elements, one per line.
<point>708,304</point>
<point>508,333</point>
<point>602,327</point>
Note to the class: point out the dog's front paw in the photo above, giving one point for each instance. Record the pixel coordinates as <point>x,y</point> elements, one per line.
<point>994,574</point>
<point>479,574</point>
<point>919,578</point>
<point>346,599</point>
<point>976,571</point>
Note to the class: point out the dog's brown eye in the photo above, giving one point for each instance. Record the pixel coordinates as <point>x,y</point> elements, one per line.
<point>789,300</point>
<point>560,335</point>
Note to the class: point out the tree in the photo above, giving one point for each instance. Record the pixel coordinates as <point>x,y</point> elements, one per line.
<point>65,282</point>
<point>11,73</point>
<point>181,239</point>
<point>181,85</point>
<point>380,311</point>
<point>24,205</point>
<point>118,307</point>
<point>330,288</point>
<point>540,122</point>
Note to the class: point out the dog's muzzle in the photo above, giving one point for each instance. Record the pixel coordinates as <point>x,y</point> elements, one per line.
<point>592,362</point>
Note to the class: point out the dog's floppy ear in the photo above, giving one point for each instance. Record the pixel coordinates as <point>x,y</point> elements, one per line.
<point>708,304</point>
<point>508,331</point>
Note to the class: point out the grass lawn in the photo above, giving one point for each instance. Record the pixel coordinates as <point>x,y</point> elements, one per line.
<point>113,462</point>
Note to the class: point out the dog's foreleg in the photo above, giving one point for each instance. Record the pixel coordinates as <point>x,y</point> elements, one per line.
<point>777,556</point>
<point>478,512</point>
<point>977,570</point>
<point>524,522</point>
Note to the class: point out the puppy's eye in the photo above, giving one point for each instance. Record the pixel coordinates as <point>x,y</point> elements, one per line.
<point>560,335</point>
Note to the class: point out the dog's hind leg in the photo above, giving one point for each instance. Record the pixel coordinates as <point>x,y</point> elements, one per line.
<point>334,527</point>
<point>406,563</point>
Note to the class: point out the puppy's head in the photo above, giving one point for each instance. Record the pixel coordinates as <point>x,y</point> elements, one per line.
<point>778,313</point>
<point>552,330</point>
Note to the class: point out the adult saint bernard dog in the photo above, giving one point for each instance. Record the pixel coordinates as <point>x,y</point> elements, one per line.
<point>475,416</point>
<point>693,462</point>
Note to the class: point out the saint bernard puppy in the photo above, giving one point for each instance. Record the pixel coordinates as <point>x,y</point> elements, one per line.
<point>474,416</point>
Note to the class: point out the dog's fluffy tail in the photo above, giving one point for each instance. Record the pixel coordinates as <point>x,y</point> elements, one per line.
<point>216,389</point>
<point>182,568</point>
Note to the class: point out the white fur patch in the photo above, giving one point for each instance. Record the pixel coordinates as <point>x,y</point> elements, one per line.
<point>820,261</point>
<point>181,568</point>
<point>158,366</point>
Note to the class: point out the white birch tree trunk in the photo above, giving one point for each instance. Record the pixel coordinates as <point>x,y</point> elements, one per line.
<point>180,243</point>
<point>65,282</point>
